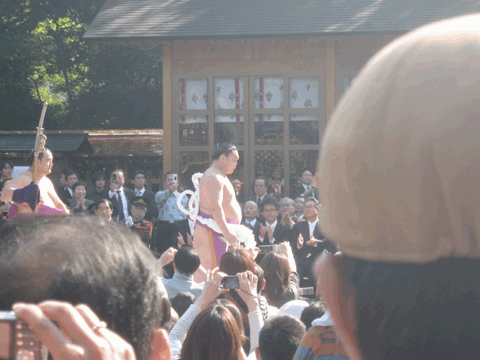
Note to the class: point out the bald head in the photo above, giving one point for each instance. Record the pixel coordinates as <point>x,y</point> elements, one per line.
<point>250,210</point>
<point>402,153</point>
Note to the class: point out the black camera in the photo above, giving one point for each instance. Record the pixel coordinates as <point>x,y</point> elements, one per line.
<point>230,282</point>
<point>17,340</point>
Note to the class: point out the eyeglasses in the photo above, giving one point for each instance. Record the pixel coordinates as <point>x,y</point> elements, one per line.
<point>269,210</point>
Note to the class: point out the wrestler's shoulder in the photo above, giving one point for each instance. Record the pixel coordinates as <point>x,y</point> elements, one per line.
<point>211,176</point>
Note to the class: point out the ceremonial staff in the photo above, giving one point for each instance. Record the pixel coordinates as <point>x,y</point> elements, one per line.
<point>40,141</point>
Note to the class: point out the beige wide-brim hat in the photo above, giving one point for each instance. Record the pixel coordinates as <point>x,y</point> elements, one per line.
<point>399,173</point>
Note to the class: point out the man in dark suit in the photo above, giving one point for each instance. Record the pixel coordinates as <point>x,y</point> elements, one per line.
<point>260,186</point>
<point>272,231</point>
<point>139,181</point>
<point>250,218</point>
<point>120,196</point>
<point>305,189</point>
<point>65,192</point>
<point>308,242</point>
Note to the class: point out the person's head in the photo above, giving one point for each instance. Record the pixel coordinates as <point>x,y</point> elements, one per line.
<point>62,177</point>
<point>182,301</point>
<point>44,162</point>
<point>311,209</point>
<point>400,199</point>
<point>98,179</point>
<point>84,260</point>
<point>118,177</point>
<point>226,157</point>
<point>270,210</point>
<point>250,210</point>
<point>70,178</point>
<point>280,337</point>
<point>169,179</point>
<point>138,208</point>
<point>277,275</point>
<point>221,336</point>
<point>261,278</point>
<point>299,205</point>
<point>260,185</point>
<point>306,178</point>
<point>236,260</point>
<point>186,260</point>
<point>104,208</point>
<point>313,311</point>
<point>79,190</point>
<point>139,179</point>
<point>237,185</point>
<point>6,169</point>
<point>287,205</point>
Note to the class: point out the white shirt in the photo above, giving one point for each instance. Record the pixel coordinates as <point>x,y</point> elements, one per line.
<point>252,223</point>
<point>139,192</point>
<point>272,225</point>
<point>70,191</point>
<point>124,200</point>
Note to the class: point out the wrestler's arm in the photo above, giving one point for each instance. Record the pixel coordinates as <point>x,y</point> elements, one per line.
<point>214,199</point>
<point>56,200</point>
<point>17,183</point>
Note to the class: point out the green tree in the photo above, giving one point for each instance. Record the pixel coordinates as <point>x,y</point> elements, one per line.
<point>43,58</point>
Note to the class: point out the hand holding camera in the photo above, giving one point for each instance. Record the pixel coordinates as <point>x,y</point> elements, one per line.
<point>212,288</point>
<point>70,332</point>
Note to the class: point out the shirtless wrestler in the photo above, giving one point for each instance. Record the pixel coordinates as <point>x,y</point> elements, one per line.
<point>48,196</point>
<point>217,201</point>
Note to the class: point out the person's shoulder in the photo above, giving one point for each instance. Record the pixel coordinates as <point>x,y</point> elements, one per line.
<point>148,193</point>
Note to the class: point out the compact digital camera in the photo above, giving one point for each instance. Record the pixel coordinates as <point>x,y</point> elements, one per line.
<point>17,340</point>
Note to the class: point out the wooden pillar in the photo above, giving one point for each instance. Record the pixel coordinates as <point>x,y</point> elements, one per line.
<point>167,107</point>
<point>330,76</point>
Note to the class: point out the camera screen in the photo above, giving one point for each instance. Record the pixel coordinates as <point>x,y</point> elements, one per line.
<point>5,338</point>
<point>230,282</point>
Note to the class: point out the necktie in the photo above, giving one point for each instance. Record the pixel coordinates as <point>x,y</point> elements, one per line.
<point>121,214</point>
<point>138,193</point>
<point>259,201</point>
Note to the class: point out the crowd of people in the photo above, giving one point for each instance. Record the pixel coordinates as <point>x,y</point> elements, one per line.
<point>399,171</point>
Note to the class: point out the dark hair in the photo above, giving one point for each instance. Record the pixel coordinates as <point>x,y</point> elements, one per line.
<point>265,181</point>
<point>223,149</point>
<point>103,201</point>
<point>236,260</point>
<point>4,164</point>
<point>98,175</point>
<point>182,301</point>
<point>280,337</point>
<point>168,173</point>
<point>136,172</point>
<point>69,172</point>
<point>186,260</point>
<point>277,274</point>
<point>306,170</point>
<point>270,201</point>
<point>84,260</point>
<point>430,310</point>
<point>261,276</point>
<point>31,157</point>
<point>221,336</point>
<point>313,311</point>
<point>77,184</point>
